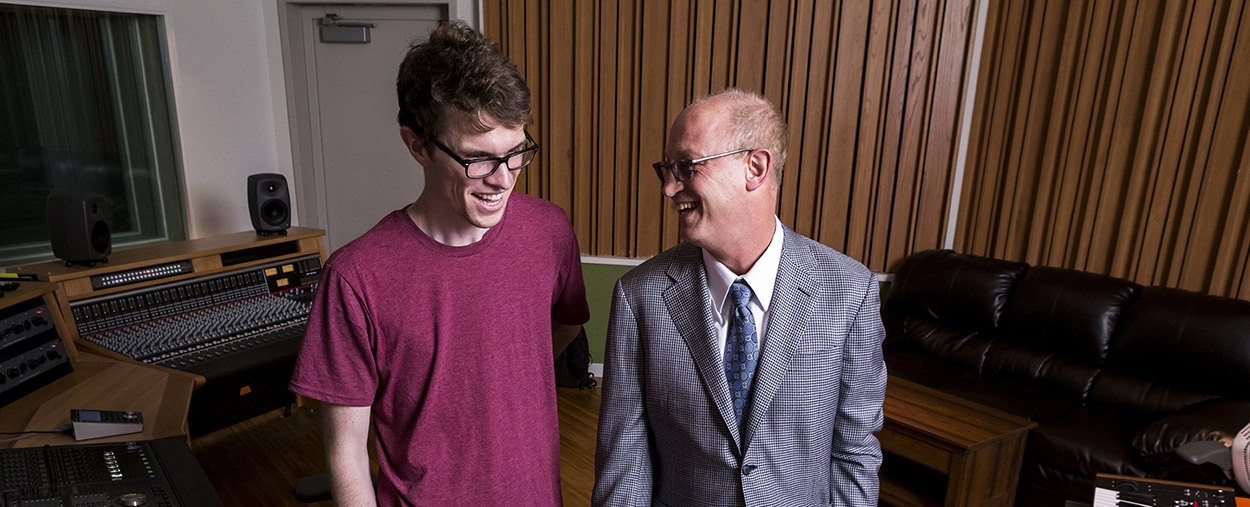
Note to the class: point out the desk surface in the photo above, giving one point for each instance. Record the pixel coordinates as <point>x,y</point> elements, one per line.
<point>25,291</point>
<point>101,383</point>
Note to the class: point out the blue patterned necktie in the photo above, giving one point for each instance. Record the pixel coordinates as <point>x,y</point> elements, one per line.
<point>741,348</point>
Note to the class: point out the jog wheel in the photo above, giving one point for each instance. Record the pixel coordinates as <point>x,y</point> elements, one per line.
<point>131,500</point>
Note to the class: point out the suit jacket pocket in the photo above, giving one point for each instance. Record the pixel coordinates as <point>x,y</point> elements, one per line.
<point>815,366</point>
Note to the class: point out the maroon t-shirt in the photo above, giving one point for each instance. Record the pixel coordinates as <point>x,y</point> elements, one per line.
<point>451,346</point>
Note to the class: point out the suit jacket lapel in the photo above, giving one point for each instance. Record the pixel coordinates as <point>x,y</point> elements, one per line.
<point>793,297</point>
<point>689,305</point>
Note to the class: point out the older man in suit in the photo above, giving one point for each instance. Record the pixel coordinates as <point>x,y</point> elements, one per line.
<point>743,366</point>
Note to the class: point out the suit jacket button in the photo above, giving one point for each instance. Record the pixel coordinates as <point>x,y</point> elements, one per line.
<point>747,469</point>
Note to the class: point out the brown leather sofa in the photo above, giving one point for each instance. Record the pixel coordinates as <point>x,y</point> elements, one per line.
<point>1115,374</point>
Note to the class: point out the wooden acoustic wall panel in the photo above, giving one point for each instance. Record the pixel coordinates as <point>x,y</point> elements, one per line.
<point>872,93</point>
<point>1110,136</point>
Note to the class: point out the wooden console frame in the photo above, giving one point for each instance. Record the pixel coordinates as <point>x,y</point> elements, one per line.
<point>96,383</point>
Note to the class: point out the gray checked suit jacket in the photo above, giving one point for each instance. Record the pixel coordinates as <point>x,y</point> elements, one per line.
<point>667,435</point>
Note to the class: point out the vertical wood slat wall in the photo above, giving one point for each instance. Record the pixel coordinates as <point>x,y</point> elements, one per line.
<point>1110,136</point>
<point>872,92</point>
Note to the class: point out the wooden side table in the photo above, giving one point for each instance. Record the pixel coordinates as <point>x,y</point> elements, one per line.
<point>979,448</point>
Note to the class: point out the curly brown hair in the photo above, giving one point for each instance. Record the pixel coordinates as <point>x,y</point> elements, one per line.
<point>458,67</point>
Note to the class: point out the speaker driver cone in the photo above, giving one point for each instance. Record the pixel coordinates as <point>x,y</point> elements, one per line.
<point>101,238</point>
<point>275,212</point>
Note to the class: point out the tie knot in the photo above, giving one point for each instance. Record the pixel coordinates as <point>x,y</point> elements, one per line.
<point>741,293</point>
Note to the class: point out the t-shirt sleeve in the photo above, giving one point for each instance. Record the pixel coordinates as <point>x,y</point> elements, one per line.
<point>569,305</point>
<point>336,362</point>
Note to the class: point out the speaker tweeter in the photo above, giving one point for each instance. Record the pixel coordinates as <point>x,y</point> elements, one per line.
<point>269,203</point>
<point>81,226</point>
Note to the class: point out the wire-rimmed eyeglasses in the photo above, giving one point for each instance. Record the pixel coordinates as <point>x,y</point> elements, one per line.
<point>478,168</point>
<point>683,169</point>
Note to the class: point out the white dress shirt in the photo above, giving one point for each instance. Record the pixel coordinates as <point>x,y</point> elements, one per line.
<point>762,277</point>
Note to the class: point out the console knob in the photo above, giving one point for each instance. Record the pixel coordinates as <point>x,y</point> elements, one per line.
<point>131,500</point>
<point>1126,485</point>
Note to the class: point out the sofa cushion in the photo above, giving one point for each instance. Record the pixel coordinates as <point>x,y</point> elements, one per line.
<point>1051,372</point>
<point>960,290</point>
<point>1086,441</point>
<point>1218,419</point>
<point>1177,348</point>
<point>1023,399</point>
<point>924,369</point>
<point>963,347</point>
<point>1056,328</point>
<point>1142,396</point>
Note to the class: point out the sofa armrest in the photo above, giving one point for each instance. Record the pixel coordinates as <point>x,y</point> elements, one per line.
<point>1216,419</point>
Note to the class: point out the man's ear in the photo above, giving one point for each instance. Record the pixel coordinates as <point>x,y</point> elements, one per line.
<point>416,148</point>
<point>759,164</point>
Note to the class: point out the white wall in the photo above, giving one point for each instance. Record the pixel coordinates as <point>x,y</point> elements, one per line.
<point>226,103</point>
<point>229,97</point>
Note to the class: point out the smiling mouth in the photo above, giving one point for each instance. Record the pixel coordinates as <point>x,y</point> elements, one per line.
<point>489,198</point>
<point>685,207</point>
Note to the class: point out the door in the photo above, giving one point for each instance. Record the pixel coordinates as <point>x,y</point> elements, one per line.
<point>351,166</point>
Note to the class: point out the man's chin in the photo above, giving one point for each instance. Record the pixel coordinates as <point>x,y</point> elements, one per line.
<point>688,235</point>
<point>488,220</point>
<point>483,223</point>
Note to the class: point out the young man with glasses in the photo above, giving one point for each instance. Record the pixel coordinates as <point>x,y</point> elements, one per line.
<point>743,366</point>
<point>441,322</point>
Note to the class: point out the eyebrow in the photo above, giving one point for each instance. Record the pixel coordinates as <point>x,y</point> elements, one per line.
<point>482,154</point>
<point>684,155</point>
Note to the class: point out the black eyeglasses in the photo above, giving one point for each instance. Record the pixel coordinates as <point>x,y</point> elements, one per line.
<point>683,169</point>
<point>478,168</point>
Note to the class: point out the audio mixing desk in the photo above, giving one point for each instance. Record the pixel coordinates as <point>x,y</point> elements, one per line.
<point>228,312</point>
<point>138,473</point>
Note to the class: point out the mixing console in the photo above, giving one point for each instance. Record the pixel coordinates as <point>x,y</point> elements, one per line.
<point>239,317</point>
<point>154,473</point>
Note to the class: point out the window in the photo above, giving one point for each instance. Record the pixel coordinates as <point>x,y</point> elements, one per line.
<point>85,104</point>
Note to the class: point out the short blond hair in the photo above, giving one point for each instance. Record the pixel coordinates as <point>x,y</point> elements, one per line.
<point>755,123</point>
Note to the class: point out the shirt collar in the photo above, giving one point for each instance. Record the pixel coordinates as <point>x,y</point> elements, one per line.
<point>762,277</point>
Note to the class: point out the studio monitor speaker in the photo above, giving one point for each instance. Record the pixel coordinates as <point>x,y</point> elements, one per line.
<point>269,203</point>
<point>81,226</point>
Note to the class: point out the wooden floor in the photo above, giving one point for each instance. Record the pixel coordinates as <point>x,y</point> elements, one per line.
<point>257,462</point>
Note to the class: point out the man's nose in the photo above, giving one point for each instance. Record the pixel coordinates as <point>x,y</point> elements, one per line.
<point>503,177</point>
<point>671,184</point>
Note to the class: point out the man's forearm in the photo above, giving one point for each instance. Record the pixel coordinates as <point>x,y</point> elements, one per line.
<point>561,336</point>
<point>347,455</point>
<point>350,482</point>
